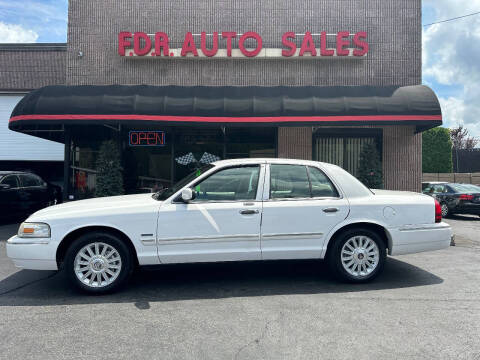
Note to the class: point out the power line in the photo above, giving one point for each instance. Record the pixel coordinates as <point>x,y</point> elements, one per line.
<point>455,18</point>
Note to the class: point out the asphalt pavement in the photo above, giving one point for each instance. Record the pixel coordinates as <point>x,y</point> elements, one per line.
<point>424,306</point>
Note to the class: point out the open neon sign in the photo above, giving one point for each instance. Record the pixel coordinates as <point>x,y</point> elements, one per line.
<point>146,138</point>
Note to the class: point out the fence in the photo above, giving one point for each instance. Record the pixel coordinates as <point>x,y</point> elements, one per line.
<point>466,178</point>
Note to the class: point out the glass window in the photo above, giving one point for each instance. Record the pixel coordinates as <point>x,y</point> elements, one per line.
<point>164,194</point>
<point>11,180</point>
<point>31,180</point>
<point>232,184</point>
<point>321,185</point>
<point>438,189</point>
<point>289,181</point>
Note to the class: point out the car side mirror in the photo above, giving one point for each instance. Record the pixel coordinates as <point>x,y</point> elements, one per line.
<point>188,195</point>
<point>4,186</point>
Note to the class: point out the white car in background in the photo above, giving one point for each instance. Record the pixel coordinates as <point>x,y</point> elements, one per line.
<point>236,210</point>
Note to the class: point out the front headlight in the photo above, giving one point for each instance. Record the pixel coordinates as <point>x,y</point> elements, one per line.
<point>34,230</point>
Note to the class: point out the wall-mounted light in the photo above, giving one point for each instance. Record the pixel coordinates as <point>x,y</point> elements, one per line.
<point>80,53</point>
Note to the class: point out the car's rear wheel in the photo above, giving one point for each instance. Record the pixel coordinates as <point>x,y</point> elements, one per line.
<point>98,262</point>
<point>445,210</point>
<point>357,255</point>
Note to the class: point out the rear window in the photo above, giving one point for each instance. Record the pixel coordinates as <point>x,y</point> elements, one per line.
<point>31,180</point>
<point>465,188</point>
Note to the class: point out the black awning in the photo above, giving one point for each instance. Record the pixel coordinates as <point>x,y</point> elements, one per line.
<point>51,106</point>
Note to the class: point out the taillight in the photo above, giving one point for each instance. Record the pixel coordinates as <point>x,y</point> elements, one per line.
<point>466,197</point>
<point>438,212</point>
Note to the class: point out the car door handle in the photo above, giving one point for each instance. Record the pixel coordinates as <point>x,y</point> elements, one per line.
<point>249,211</point>
<point>330,210</point>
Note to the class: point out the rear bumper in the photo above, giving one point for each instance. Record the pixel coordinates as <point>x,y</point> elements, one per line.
<point>418,238</point>
<point>33,254</point>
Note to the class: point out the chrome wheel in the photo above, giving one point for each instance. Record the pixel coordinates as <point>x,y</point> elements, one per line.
<point>97,264</point>
<point>444,210</point>
<point>360,256</point>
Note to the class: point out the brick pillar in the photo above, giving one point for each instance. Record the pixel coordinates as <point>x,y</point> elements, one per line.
<point>402,158</point>
<point>295,143</point>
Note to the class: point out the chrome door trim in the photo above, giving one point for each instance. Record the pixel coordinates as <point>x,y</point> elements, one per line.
<point>266,186</point>
<point>261,182</point>
<point>291,236</point>
<point>208,239</point>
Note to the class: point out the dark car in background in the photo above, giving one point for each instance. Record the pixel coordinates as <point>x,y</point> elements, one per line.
<point>454,198</point>
<point>23,193</point>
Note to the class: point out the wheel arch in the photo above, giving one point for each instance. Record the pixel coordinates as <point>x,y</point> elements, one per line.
<point>75,234</point>
<point>378,228</point>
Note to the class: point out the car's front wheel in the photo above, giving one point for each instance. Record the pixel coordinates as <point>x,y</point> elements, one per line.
<point>357,255</point>
<point>98,262</point>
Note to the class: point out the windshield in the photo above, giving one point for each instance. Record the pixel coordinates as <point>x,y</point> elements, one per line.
<point>164,194</point>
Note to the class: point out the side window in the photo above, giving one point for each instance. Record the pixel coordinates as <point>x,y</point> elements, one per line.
<point>321,185</point>
<point>438,189</point>
<point>30,180</point>
<point>289,181</point>
<point>11,180</point>
<point>231,184</point>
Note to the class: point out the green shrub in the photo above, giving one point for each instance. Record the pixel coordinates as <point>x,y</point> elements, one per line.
<point>109,170</point>
<point>370,167</point>
<point>437,151</point>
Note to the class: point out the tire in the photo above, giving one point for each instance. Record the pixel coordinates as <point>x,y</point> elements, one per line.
<point>99,263</point>
<point>368,257</point>
<point>445,210</point>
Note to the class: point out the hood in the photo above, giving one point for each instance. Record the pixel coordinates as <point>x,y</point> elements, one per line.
<point>93,206</point>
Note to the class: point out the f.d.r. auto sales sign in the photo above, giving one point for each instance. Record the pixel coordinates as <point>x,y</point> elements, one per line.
<point>312,45</point>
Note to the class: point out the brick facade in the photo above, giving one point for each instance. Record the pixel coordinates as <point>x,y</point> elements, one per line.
<point>393,27</point>
<point>394,35</point>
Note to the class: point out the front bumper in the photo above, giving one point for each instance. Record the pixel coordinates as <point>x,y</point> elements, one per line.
<point>418,238</point>
<point>32,253</point>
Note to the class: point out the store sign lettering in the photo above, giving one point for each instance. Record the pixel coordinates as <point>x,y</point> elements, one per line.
<point>146,138</point>
<point>140,44</point>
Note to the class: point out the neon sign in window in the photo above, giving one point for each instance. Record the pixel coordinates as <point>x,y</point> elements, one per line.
<point>146,138</point>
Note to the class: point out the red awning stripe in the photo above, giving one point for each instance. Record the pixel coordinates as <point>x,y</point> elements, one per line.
<point>222,119</point>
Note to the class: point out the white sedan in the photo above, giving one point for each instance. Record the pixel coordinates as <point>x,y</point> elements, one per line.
<point>235,210</point>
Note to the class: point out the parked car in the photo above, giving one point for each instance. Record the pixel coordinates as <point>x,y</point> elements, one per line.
<point>455,198</point>
<point>24,193</point>
<point>235,210</point>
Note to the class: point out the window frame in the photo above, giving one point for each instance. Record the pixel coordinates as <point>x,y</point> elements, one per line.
<point>335,187</point>
<point>258,196</point>
<point>267,192</point>
<point>12,175</point>
<point>36,177</point>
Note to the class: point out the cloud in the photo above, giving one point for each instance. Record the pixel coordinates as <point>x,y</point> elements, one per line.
<point>451,60</point>
<point>47,18</point>
<point>11,33</point>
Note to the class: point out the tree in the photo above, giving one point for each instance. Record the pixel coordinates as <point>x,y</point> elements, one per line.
<point>461,139</point>
<point>437,151</point>
<point>109,170</point>
<point>370,167</point>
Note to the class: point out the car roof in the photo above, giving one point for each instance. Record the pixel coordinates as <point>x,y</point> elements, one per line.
<point>247,161</point>
<point>436,182</point>
<point>10,172</point>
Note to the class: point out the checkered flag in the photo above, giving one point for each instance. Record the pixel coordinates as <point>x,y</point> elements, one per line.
<point>208,158</point>
<point>186,159</point>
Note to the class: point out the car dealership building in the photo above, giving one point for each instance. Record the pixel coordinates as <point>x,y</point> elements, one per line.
<point>183,83</point>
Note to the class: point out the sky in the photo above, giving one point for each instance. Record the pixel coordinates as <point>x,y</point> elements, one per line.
<point>451,54</point>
